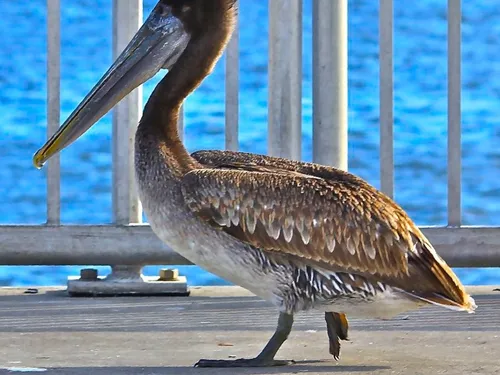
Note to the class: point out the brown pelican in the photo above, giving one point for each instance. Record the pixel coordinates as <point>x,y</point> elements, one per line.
<point>300,235</point>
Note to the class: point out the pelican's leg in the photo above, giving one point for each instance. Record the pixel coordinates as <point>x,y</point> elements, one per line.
<point>266,356</point>
<point>337,327</point>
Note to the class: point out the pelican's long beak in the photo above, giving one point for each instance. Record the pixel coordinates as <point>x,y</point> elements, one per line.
<point>158,44</point>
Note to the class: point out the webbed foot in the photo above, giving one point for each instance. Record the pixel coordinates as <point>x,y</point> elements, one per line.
<point>242,362</point>
<point>266,356</point>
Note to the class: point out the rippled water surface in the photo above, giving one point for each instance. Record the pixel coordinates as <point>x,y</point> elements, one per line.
<point>420,112</point>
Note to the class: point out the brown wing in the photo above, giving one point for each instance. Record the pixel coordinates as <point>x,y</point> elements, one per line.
<point>342,224</point>
<point>318,213</point>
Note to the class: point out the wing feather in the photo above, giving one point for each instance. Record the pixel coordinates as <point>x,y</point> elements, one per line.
<point>309,218</point>
<point>322,214</point>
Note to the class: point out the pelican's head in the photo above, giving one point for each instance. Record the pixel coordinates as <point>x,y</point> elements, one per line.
<point>158,44</point>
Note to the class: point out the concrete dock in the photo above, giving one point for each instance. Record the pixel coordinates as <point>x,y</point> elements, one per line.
<point>46,331</point>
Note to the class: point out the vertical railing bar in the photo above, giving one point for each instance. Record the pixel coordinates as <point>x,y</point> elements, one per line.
<point>330,83</point>
<point>127,18</point>
<point>285,78</point>
<point>386,97</point>
<point>232,91</point>
<point>454,113</point>
<point>53,108</point>
<point>180,123</point>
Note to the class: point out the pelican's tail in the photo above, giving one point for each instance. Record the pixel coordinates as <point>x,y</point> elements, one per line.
<point>440,300</point>
<point>433,281</point>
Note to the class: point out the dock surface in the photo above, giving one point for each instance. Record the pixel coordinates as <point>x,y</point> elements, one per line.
<point>51,333</point>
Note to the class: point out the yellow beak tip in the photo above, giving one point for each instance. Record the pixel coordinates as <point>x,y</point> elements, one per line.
<point>37,160</point>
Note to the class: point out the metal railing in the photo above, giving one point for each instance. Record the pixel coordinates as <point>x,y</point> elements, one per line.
<point>128,242</point>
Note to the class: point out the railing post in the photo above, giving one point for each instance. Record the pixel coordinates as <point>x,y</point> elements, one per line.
<point>127,18</point>
<point>285,78</point>
<point>180,123</point>
<point>53,108</point>
<point>454,113</point>
<point>386,97</point>
<point>126,279</point>
<point>330,82</point>
<point>232,91</point>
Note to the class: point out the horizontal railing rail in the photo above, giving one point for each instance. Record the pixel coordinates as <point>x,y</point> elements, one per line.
<point>138,245</point>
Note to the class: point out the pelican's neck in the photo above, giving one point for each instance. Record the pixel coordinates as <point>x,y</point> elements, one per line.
<point>161,113</point>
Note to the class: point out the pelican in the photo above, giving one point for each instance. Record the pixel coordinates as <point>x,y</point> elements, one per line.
<point>300,235</point>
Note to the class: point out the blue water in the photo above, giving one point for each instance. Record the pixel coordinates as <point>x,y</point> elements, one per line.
<point>420,112</point>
